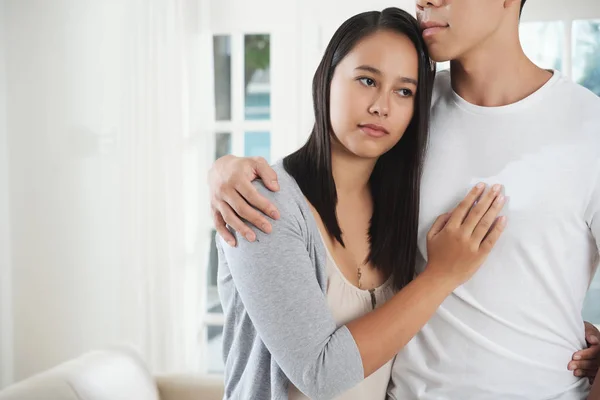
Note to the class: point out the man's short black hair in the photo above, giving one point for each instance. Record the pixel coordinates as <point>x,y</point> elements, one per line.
<point>522,4</point>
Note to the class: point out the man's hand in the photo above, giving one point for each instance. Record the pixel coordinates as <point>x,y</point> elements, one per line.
<point>586,362</point>
<point>233,197</point>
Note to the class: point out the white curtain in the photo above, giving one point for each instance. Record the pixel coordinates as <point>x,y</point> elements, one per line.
<point>6,340</point>
<point>109,103</point>
<point>156,144</point>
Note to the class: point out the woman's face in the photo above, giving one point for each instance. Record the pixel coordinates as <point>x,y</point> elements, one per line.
<point>372,94</point>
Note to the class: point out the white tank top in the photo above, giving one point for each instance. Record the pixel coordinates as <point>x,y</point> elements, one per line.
<point>347,303</point>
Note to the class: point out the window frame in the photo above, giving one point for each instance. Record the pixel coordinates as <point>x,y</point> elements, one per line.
<point>236,127</point>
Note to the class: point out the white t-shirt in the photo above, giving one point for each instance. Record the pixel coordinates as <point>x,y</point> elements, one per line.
<point>510,332</point>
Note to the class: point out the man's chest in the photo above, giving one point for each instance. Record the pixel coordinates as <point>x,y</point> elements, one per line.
<point>544,178</point>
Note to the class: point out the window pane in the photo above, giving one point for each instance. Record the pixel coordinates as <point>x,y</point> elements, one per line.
<point>543,43</point>
<point>213,303</point>
<point>257,77</point>
<point>222,145</point>
<point>214,349</point>
<point>222,68</point>
<point>591,307</point>
<point>586,54</point>
<point>257,144</point>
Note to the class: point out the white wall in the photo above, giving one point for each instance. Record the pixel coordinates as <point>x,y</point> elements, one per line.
<point>6,315</point>
<point>553,10</point>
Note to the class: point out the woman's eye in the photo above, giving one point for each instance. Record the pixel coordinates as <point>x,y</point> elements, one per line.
<point>405,92</point>
<point>367,81</point>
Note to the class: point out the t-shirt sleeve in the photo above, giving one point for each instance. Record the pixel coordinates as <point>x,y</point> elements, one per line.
<point>592,215</point>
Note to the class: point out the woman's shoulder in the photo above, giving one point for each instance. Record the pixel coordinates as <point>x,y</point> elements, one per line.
<point>289,197</point>
<point>295,217</point>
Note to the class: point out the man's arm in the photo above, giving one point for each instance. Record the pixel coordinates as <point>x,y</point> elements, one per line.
<point>233,197</point>
<point>595,393</point>
<point>585,363</point>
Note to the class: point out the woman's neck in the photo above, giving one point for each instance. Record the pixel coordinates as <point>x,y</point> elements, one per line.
<point>350,173</point>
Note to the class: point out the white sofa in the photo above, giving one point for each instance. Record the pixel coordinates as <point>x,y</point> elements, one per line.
<point>112,374</point>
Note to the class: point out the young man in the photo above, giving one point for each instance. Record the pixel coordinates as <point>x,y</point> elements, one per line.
<point>509,332</point>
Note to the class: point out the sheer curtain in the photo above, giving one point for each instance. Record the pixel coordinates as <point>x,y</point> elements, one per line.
<point>158,139</point>
<point>6,341</point>
<point>107,142</point>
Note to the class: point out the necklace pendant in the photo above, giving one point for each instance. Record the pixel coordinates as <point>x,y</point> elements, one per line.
<point>373,298</point>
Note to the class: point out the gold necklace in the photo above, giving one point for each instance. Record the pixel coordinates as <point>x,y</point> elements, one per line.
<point>359,274</point>
<point>358,267</point>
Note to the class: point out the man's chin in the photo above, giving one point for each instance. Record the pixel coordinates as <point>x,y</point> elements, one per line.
<point>439,58</point>
<point>440,52</point>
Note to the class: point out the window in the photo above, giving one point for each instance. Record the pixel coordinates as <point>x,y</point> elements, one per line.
<point>222,63</point>
<point>257,77</point>
<point>543,43</point>
<point>222,144</point>
<point>242,67</point>
<point>257,144</point>
<point>586,54</point>
<point>591,307</point>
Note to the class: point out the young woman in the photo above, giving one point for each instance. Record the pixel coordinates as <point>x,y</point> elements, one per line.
<point>319,307</point>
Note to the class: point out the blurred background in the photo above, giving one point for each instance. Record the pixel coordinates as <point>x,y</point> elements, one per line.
<point>111,113</point>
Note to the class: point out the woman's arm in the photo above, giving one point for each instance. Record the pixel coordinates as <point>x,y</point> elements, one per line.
<point>276,281</point>
<point>457,245</point>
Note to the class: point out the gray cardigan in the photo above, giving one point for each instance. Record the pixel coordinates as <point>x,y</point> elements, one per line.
<point>278,326</point>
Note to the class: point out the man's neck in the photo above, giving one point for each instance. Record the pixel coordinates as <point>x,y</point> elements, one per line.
<point>496,73</point>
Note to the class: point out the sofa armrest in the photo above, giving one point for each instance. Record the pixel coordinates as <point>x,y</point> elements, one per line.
<point>189,387</point>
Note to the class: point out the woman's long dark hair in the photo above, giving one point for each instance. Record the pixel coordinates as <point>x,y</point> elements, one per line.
<point>395,181</point>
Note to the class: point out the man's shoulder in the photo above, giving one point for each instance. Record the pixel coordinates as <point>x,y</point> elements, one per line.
<point>579,96</point>
<point>580,91</point>
<point>583,110</point>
